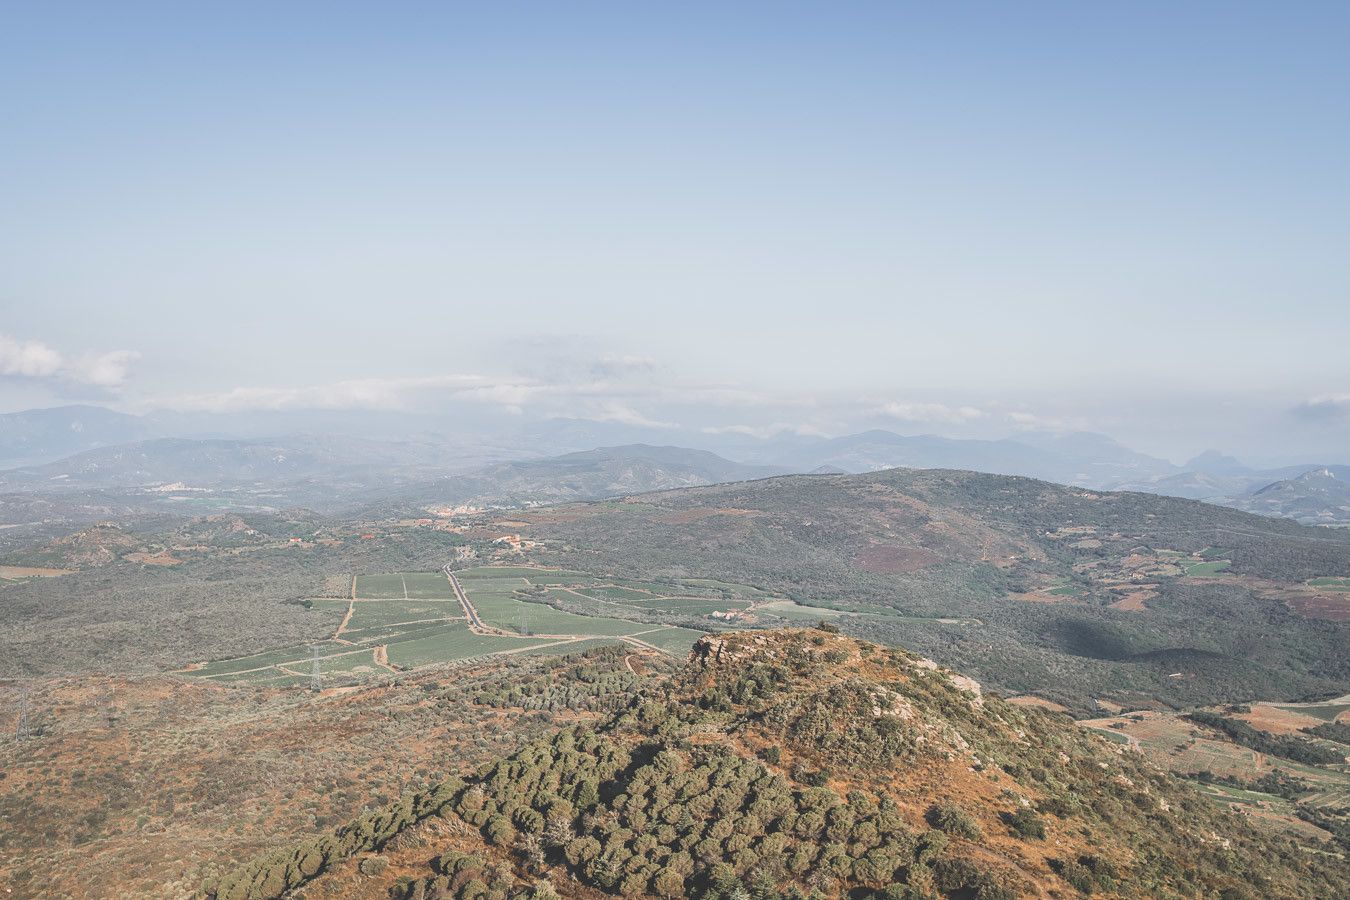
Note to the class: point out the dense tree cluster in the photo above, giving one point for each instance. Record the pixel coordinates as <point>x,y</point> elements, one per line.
<point>598,682</point>
<point>1331,731</point>
<point>668,799</point>
<point>673,821</point>
<point>276,873</point>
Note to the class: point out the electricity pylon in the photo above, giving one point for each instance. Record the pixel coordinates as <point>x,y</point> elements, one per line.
<point>315,679</point>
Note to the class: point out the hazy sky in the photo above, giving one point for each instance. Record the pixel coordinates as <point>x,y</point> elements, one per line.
<point>960,218</point>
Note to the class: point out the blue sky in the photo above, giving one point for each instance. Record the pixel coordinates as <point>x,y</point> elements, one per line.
<point>964,218</point>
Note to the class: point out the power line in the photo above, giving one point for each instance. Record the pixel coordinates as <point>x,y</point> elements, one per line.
<point>21,729</point>
<point>315,679</point>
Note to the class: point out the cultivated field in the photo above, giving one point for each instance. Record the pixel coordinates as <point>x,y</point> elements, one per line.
<point>399,621</point>
<point>1220,766</point>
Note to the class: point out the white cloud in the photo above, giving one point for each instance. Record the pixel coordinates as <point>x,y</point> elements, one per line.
<point>34,359</point>
<point>106,370</point>
<point>594,401</point>
<point>31,359</point>
<point>362,393</point>
<point>624,415</point>
<point>1323,409</point>
<point>930,412</point>
<point>1025,421</point>
<point>764,432</point>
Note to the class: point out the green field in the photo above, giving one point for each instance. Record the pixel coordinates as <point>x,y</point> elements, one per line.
<point>261,660</point>
<point>380,587</point>
<point>1327,712</point>
<point>418,621</point>
<point>428,586</point>
<point>451,643</point>
<point>377,613</point>
<point>675,641</point>
<point>1114,736</point>
<point>505,611</point>
<point>615,593</point>
<point>1331,584</point>
<point>519,572</point>
<point>568,647</point>
<point>1204,569</point>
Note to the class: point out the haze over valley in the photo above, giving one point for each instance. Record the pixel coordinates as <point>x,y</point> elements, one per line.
<point>730,451</point>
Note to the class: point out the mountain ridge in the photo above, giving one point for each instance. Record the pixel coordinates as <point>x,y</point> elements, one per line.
<point>794,762</point>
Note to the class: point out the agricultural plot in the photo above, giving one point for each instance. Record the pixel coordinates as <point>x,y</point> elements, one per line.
<point>1188,750</point>
<point>577,604</point>
<point>428,586</point>
<point>381,587</point>
<point>1331,584</point>
<point>259,661</point>
<point>1327,712</point>
<point>506,612</point>
<point>378,613</point>
<point>579,645</point>
<point>1206,569</point>
<point>676,641</point>
<point>407,620</point>
<point>615,593</point>
<point>452,643</point>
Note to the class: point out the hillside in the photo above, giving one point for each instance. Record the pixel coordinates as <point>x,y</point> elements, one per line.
<point>590,474</point>
<point>1076,458</point>
<point>1031,586</point>
<point>1316,497</point>
<point>799,764</point>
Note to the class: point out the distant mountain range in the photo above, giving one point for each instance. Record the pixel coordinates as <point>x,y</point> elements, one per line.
<point>92,448</point>
<point>586,475</point>
<point>36,436</point>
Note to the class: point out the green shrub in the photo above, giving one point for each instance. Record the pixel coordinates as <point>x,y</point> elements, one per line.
<point>952,819</point>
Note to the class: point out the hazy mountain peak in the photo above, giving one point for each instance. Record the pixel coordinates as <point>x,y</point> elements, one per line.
<point>1215,462</point>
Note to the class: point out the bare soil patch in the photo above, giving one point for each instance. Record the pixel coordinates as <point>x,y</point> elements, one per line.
<point>1331,607</point>
<point>1275,720</point>
<point>30,572</point>
<point>1043,597</point>
<point>1037,702</point>
<point>699,513</point>
<point>1134,601</point>
<point>162,558</point>
<point>889,560</point>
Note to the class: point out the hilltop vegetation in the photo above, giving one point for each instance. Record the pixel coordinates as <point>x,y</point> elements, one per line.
<point>803,764</point>
<point>143,787</point>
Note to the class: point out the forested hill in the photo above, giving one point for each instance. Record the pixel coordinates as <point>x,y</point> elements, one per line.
<point>795,764</point>
<point>1026,584</point>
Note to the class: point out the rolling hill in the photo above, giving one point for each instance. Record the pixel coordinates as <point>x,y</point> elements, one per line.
<point>590,474</point>
<point>1028,585</point>
<point>800,764</point>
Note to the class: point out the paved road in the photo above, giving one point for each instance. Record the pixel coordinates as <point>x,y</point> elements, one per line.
<point>464,599</point>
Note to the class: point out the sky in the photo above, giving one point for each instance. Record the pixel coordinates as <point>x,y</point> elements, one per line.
<point>960,218</point>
